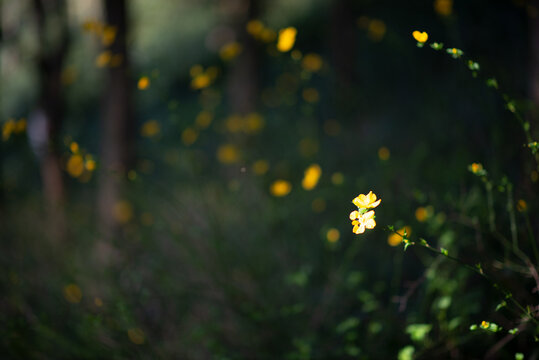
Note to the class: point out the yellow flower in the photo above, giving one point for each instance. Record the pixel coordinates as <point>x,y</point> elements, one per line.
<point>362,221</point>
<point>443,7</point>
<point>395,239</point>
<point>421,214</point>
<point>287,38</point>
<point>200,81</point>
<point>312,62</point>
<point>260,167</point>
<point>230,51</point>
<point>228,154</point>
<point>189,136</point>
<point>72,293</point>
<point>485,324</point>
<point>522,206</point>
<point>136,336</point>
<point>280,188</point>
<point>75,165</point>
<point>311,177</point>
<point>476,167</point>
<point>366,201</point>
<point>383,153</point>
<point>421,37</point>
<point>150,128</point>
<point>8,128</point>
<point>333,235</point>
<point>143,83</point>
<point>103,59</point>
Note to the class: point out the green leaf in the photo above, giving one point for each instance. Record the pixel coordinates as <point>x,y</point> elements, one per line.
<point>406,353</point>
<point>513,331</point>
<point>519,356</point>
<point>501,305</point>
<point>347,325</point>
<point>418,332</point>
<point>444,251</point>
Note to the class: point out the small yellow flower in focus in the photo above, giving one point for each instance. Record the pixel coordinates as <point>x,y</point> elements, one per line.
<point>420,37</point>
<point>189,136</point>
<point>260,167</point>
<point>312,62</point>
<point>361,222</point>
<point>287,38</point>
<point>150,128</point>
<point>443,7</point>
<point>383,153</point>
<point>522,206</point>
<point>421,214</point>
<point>75,165</point>
<point>485,324</point>
<point>230,51</point>
<point>103,59</point>
<point>72,293</point>
<point>333,235</point>
<point>203,119</point>
<point>366,201</point>
<point>123,212</point>
<point>311,177</point>
<point>280,188</point>
<point>228,154</point>
<point>136,336</point>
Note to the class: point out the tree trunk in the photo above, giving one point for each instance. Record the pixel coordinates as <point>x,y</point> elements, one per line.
<point>50,107</point>
<point>117,128</point>
<point>242,82</point>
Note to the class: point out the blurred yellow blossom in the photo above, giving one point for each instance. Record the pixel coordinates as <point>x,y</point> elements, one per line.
<point>287,38</point>
<point>136,336</point>
<point>108,35</point>
<point>522,206</point>
<point>228,154</point>
<point>230,51</point>
<point>200,81</point>
<point>318,205</point>
<point>420,37</point>
<point>150,128</point>
<point>253,123</point>
<point>75,165</point>
<point>143,83</point>
<point>383,153</point>
<point>333,235</point>
<point>310,95</point>
<point>260,167</point>
<point>443,7</point>
<point>337,178</point>
<point>103,59</point>
<point>196,70</point>
<point>7,129</point>
<point>254,27</point>
<point>312,62</point>
<point>476,168</point>
<point>123,211</point>
<point>368,201</point>
<point>311,177</point>
<point>98,302</point>
<point>189,136</point>
<point>280,188</point>
<point>376,30</point>
<point>395,239</point>
<point>72,293</point>
<point>74,147</point>
<point>421,214</point>
<point>89,163</point>
<point>234,123</point>
<point>203,119</point>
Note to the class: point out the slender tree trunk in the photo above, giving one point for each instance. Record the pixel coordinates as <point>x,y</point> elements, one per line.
<point>242,82</point>
<point>117,127</point>
<point>343,40</point>
<point>51,56</point>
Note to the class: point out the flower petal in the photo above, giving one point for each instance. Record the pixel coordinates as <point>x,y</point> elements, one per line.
<point>354,215</point>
